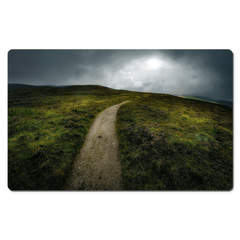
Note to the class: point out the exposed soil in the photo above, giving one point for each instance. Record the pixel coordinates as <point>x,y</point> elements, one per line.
<point>97,166</point>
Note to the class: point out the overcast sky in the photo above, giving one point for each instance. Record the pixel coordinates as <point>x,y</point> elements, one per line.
<point>207,73</point>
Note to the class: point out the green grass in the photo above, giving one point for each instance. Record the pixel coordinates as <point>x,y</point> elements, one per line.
<point>171,143</point>
<point>46,129</point>
<point>165,142</point>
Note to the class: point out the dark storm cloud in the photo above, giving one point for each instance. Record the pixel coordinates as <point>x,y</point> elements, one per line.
<point>41,67</point>
<point>194,72</point>
<point>212,71</point>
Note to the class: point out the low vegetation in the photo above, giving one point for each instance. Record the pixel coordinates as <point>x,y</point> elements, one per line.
<point>47,128</point>
<point>171,143</point>
<point>165,142</point>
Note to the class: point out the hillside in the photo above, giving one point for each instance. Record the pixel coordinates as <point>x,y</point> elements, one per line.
<point>165,142</point>
<point>46,129</point>
<point>172,143</point>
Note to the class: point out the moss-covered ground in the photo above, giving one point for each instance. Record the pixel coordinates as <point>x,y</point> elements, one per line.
<point>47,128</point>
<point>172,143</point>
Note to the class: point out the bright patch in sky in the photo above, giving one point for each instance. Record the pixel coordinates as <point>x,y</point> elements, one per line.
<point>154,63</point>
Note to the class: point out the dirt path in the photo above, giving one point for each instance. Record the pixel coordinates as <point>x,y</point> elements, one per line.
<point>180,96</point>
<point>97,166</point>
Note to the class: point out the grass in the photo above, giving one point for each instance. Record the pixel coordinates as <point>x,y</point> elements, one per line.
<point>171,143</point>
<point>165,142</point>
<point>46,129</point>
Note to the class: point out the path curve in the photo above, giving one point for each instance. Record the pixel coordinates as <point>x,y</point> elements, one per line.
<point>97,166</point>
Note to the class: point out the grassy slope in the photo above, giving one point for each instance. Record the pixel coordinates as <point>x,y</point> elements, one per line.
<point>46,129</point>
<point>171,143</point>
<point>165,142</point>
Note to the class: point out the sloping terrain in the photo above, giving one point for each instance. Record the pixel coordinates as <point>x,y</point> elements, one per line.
<point>172,143</point>
<point>165,142</point>
<point>97,166</point>
<point>46,130</point>
<point>207,99</point>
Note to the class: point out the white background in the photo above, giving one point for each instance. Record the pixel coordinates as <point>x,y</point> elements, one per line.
<point>118,25</point>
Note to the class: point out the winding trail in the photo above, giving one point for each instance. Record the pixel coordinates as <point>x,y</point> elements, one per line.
<point>97,166</point>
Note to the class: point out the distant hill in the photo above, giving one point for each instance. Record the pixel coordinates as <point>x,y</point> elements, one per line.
<point>225,103</point>
<point>222,102</point>
<point>15,86</point>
